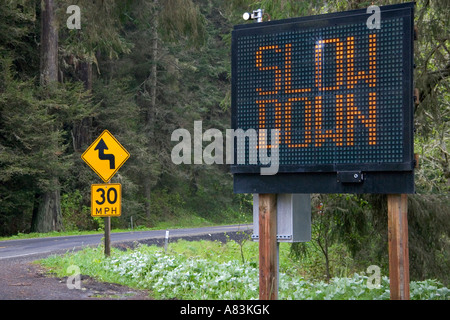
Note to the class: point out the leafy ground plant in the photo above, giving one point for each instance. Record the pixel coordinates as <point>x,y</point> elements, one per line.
<point>215,274</point>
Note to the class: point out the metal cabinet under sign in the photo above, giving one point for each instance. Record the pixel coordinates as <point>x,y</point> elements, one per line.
<point>293,217</point>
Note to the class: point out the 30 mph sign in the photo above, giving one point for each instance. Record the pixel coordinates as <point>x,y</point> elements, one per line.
<point>106,200</point>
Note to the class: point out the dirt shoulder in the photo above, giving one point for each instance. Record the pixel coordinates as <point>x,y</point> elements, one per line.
<point>24,280</point>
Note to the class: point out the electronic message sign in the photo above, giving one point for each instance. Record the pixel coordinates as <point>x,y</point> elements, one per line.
<point>329,99</point>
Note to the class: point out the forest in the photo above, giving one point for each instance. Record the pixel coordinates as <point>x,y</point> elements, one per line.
<point>144,68</point>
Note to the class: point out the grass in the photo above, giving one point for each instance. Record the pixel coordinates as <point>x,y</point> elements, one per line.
<point>213,270</point>
<point>188,222</point>
<point>32,235</point>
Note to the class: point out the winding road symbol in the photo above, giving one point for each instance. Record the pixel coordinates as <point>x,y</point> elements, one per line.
<point>101,147</point>
<point>105,155</point>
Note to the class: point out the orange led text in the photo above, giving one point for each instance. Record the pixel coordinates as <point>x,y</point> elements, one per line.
<point>346,111</point>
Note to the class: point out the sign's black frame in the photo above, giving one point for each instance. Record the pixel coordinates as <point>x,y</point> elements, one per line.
<point>334,178</point>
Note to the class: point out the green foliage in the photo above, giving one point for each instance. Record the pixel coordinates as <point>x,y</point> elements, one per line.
<point>182,17</point>
<point>76,216</point>
<point>32,151</point>
<point>96,36</point>
<point>429,236</point>
<point>161,65</point>
<point>19,28</point>
<point>432,115</point>
<point>355,226</point>
<point>166,206</point>
<point>212,270</point>
<point>340,224</point>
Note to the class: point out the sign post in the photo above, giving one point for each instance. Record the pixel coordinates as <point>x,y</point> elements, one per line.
<point>105,156</point>
<point>107,236</point>
<point>398,246</point>
<point>268,247</point>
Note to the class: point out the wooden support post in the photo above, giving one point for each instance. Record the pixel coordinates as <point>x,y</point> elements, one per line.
<point>398,246</point>
<point>268,247</point>
<point>107,236</point>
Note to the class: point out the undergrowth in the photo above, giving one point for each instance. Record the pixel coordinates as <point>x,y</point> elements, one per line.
<point>214,270</point>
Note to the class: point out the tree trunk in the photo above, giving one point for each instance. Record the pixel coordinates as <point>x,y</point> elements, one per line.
<point>153,78</point>
<point>49,43</point>
<point>81,132</point>
<point>86,74</point>
<point>48,216</point>
<point>151,114</point>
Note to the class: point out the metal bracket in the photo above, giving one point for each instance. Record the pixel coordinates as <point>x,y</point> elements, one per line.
<point>284,236</point>
<point>350,177</point>
<point>279,237</point>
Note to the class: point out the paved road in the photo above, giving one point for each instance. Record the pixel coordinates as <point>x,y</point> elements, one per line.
<point>22,280</point>
<point>28,247</point>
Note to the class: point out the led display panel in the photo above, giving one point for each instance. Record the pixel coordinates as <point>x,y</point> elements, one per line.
<point>337,91</point>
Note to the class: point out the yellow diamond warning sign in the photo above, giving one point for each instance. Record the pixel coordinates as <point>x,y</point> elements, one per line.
<point>105,156</point>
<point>106,200</point>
